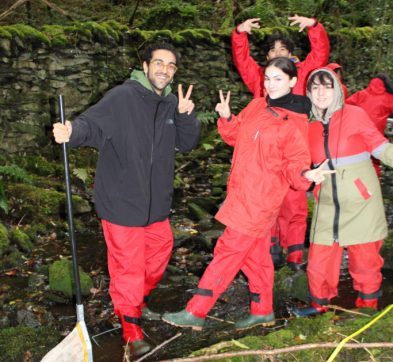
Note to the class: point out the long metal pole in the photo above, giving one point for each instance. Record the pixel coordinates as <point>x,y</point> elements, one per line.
<point>70,213</point>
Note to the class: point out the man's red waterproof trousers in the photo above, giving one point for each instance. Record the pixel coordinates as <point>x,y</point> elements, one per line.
<point>364,265</point>
<point>137,259</point>
<point>235,251</point>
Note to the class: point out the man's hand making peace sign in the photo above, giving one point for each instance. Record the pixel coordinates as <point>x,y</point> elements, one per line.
<point>223,108</point>
<point>185,103</point>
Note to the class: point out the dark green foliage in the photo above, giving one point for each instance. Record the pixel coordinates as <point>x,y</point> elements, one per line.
<point>10,173</point>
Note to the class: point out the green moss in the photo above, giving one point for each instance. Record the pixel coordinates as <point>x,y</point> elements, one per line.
<point>16,341</point>
<point>41,166</point>
<point>36,204</point>
<point>21,239</point>
<point>27,33</point>
<point>34,230</point>
<point>11,260</point>
<point>4,240</point>
<point>322,329</point>
<point>78,30</point>
<point>56,35</point>
<point>61,278</point>
<point>357,33</point>
<point>32,200</point>
<point>197,34</point>
<point>4,33</point>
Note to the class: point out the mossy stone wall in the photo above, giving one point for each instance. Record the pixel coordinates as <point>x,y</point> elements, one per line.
<point>83,62</point>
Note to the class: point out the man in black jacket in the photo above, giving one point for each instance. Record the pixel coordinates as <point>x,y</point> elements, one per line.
<point>137,127</point>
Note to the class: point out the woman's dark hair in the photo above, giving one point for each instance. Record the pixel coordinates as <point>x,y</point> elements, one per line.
<point>285,40</point>
<point>285,64</point>
<point>386,81</point>
<point>323,77</point>
<point>147,54</point>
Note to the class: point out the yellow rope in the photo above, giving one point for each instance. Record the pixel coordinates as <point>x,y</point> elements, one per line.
<point>346,339</point>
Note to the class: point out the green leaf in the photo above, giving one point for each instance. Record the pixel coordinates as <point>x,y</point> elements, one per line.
<point>81,173</point>
<point>207,146</point>
<point>239,344</point>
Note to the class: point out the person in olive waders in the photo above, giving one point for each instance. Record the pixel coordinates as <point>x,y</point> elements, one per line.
<point>349,210</point>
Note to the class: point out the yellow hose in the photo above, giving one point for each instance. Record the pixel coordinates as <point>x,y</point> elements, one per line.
<point>346,339</point>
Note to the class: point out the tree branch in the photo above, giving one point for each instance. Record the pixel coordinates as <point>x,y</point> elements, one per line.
<point>277,351</point>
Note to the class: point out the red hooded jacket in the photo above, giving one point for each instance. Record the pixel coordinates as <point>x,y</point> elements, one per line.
<point>334,67</point>
<point>376,101</point>
<point>270,154</point>
<point>253,74</point>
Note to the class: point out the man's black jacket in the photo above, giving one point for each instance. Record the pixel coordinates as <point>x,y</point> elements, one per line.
<point>137,133</point>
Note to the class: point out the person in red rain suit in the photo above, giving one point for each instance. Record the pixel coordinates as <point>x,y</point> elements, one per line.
<point>270,155</point>
<point>377,101</point>
<point>290,229</point>
<point>349,211</point>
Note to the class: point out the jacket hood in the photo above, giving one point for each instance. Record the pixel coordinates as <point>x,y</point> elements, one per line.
<point>338,100</point>
<point>141,78</point>
<point>376,86</point>
<point>333,66</point>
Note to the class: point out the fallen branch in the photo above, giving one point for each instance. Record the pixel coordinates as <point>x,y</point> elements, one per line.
<point>158,347</point>
<point>332,306</point>
<point>219,320</point>
<point>46,2</point>
<point>278,351</point>
<point>11,8</point>
<point>56,8</point>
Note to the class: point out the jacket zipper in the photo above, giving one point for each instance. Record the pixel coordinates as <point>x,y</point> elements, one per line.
<point>151,160</point>
<point>334,182</point>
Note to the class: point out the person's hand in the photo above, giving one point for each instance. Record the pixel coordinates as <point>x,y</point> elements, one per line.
<point>223,108</point>
<point>302,21</point>
<point>62,132</point>
<point>185,103</point>
<point>248,25</point>
<point>318,175</point>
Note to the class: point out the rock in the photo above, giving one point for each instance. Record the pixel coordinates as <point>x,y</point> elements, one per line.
<point>61,279</point>
<point>80,206</point>
<point>27,318</point>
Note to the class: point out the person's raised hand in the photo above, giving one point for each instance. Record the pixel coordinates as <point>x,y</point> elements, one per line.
<point>248,25</point>
<point>185,103</point>
<point>318,175</point>
<point>222,107</point>
<point>302,21</point>
<point>62,132</point>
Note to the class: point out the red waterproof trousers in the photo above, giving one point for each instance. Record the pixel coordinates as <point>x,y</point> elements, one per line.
<point>137,259</point>
<point>235,251</point>
<point>364,264</point>
<point>292,224</point>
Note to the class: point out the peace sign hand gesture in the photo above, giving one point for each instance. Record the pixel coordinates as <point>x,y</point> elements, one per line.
<point>223,108</point>
<point>318,175</point>
<point>185,103</point>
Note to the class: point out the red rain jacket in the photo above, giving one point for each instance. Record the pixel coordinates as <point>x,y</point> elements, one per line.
<point>270,153</point>
<point>376,101</point>
<point>253,74</point>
